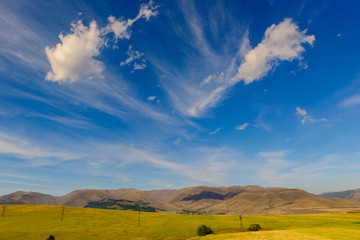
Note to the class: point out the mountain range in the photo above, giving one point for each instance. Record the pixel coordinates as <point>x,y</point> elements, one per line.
<point>348,194</point>
<point>232,200</point>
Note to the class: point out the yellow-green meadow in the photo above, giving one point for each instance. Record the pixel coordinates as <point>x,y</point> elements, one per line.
<point>38,222</point>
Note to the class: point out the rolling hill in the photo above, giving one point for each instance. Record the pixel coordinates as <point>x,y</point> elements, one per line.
<point>232,200</point>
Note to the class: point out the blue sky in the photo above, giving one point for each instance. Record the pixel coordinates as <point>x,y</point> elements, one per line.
<point>171,94</point>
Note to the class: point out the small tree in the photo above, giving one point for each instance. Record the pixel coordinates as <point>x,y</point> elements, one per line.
<point>254,227</point>
<point>51,237</point>
<point>204,230</point>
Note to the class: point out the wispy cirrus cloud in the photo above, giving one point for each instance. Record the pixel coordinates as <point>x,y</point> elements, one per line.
<point>215,131</point>
<point>276,170</point>
<point>36,155</point>
<point>203,165</point>
<point>281,168</point>
<point>242,126</point>
<point>20,44</point>
<point>281,42</point>
<point>352,101</point>
<point>306,117</point>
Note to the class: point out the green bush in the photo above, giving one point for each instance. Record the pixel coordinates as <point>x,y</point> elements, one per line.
<point>254,227</point>
<point>204,230</point>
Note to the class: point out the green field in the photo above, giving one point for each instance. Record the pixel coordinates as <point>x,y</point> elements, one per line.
<point>38,222</point>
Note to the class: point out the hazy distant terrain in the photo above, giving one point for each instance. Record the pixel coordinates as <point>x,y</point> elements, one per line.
<point>349,194</point>
<point>232,200</point>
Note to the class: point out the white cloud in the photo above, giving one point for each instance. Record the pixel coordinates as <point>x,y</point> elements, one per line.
<point>74,56</point>
<point>133,58</point>
<point>151,98</point>
<point>278,171</point>
<point>275,171</point>
<point>242,126</point>
<point>300,111</point>
<point>201,165</point>
<point>350,101</point>
<point>339,35</point>
<point>206,80</point>
<point>282,42</point>
<point>24,149</point>
<point>23,183</point>
<point>139,66</point>
<point>147,10</point>
<point>193,95</point>
<point>307,117</point>
<point>215,131</point>
<point>121,27</point>
<point>20,43</point>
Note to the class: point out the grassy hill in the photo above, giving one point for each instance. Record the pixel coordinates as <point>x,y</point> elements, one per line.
<point>25,222</point>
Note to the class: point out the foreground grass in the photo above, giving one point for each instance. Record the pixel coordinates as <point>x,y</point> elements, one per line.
<point>38,222</point>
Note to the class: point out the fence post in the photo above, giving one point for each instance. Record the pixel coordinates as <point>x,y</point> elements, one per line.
<point>3,212</point>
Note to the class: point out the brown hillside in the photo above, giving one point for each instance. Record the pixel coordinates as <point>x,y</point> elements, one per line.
<point>355,196</point>
<point>201,199</point>
<point>276,201</point>
<point>80,198</point>
<point>21,197</point>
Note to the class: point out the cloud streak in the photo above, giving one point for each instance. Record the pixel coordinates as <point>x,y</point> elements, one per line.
<point>37,156</point>
<point>242,126</point>
<point>215,131</point>
<point>307,117</point>
<point>352,101</point>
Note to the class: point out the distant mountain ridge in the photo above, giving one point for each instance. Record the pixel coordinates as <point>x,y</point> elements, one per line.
<point>232,200</point>
<point>348,194</point>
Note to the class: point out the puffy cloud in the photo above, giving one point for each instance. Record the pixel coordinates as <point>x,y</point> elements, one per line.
<point>121,27</point>
<point>138,66</point>
<point>74,56</point>
<point>133,57</point>
<point>242,126</point>
<point>282,42</point>
<point>151,98</point>
<point>307,117</point>
<point>147,10</point>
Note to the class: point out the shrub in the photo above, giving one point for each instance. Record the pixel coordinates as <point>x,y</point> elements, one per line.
<point>204,230</point>
<point>51,237</point>
<point>254,227</point>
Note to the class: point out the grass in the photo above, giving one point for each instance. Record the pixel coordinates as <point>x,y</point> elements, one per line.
<point>38,222</point>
